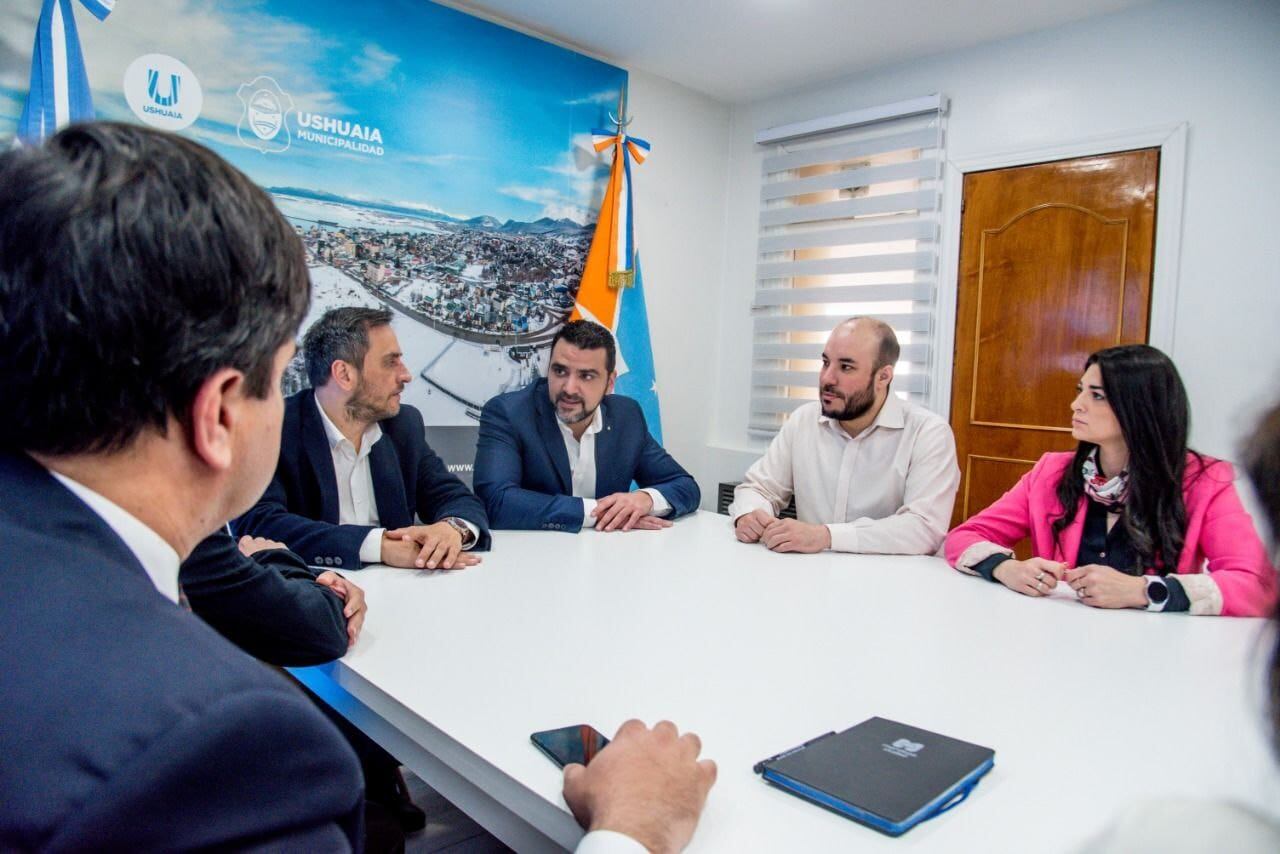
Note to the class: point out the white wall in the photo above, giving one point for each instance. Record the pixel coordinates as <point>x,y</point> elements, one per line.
<point>680,214</point>
<point>1215,65</point>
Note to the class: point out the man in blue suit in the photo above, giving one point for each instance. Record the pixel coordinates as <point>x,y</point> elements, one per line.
<point>355,466</point>
<point>563,453</point>
<point>149,294</point>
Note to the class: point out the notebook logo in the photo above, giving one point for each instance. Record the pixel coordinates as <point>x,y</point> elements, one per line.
<point>904,747</point>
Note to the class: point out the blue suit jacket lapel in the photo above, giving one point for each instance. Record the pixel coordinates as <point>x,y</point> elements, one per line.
<point>388,486</point>
<point>316,446</point>
<point>606,454</point>
<point>549,430</point>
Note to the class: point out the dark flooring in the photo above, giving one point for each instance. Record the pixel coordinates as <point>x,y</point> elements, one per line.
<point>449,830</point>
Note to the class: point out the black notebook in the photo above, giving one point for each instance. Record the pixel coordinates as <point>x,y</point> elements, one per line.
<point>884,774</point>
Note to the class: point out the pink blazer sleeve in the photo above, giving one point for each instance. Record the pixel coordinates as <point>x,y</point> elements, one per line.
<point>1237,560</point>
<point>1005,522</point>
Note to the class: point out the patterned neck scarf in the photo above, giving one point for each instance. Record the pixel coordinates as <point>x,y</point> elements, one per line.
<point>1106,492</point>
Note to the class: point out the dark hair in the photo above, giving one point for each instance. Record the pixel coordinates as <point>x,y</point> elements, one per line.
<point>889,351</point>
<point>1150,403</point>
<point>133,265</point>
<point>586,335</point>
<point>340,333</point>
<point>1262,463</point>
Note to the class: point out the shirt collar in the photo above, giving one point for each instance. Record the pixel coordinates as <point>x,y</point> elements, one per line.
<point>892,415</point>
<point>372,433</point>
<point>157,557</point>
<point>596,425</point>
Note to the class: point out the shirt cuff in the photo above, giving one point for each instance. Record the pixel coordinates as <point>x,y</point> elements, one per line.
<point>588,504</point>
<point>661,506</point>
<point>987,566</point>
<point>609,842</point>
<point>371,548</point>
<point>844,537</point>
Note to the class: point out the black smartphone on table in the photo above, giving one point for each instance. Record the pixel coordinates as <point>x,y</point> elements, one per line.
<point>569,744</point>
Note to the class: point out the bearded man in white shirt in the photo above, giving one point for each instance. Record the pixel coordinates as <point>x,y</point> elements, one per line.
<point>870,473</point>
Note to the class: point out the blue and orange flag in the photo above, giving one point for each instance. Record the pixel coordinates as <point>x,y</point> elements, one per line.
<point>612,292</point>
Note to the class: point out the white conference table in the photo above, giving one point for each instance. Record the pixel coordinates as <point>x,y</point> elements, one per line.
<point>1087,710</point>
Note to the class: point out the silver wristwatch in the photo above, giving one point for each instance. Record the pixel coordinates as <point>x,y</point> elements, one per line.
<point>468,536</point>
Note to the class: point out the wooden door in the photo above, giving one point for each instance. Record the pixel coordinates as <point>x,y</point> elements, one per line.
<point>1055,263</point>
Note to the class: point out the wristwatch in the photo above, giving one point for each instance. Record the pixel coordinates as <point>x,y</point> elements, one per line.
<point>468,536</point>
<point>1157,593</point>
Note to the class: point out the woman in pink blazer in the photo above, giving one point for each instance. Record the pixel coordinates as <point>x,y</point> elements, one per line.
<point>1130,538</point>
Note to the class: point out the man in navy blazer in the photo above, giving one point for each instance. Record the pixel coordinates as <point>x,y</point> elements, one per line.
<point>562,453</point>
<point>355,466</point>
<point>149,295</point>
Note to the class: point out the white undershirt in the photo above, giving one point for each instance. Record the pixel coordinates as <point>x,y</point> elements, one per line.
<point>582,468</point>
<point>157,557</point>
<point>356,502</point>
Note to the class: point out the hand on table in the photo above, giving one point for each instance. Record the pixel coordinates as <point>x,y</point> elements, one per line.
<point>627,511</point>
<point>437,546</point>
<point>354,608</point>
<point>1104,587</point>
<point>1032,577</point>
<point>749,527</point>
<point>789,535</point>
<point>250,545</point>
<point>647,783</point>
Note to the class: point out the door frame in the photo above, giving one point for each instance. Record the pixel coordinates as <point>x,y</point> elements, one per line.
<point>1172,142</point>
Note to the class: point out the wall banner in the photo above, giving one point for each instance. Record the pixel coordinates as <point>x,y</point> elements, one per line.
<point>434,163</point>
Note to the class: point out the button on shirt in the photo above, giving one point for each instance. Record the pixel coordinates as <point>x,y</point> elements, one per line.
<point>888,490</point>
<point>158,558</point>
<point>582,468</point>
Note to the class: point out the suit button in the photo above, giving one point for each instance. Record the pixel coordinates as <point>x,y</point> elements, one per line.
<point>318,561</point>
<point>328,561</point>
<point>337,561</point>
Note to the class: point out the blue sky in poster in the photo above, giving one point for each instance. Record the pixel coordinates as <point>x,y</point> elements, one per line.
<point>475,119</point>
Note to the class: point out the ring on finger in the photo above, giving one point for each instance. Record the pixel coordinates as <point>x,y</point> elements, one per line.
<point>1040,577</point>
<point>1082,593</point>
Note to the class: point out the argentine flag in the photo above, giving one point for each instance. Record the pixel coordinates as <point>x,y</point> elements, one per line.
<point>59,91</point>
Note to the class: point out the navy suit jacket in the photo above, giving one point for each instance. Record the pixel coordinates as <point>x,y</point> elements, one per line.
<point>300,506</point>
<point>269,604</point>
<point>522,469</point>
<point>128,724</point>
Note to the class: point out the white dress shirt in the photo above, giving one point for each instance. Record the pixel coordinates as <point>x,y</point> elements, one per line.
<point>888,490</point>
<point>356,502</point>
<point>582,468</point>
<point>157,557</point>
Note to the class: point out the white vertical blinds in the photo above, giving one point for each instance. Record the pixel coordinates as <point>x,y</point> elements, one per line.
<point>848,225</point>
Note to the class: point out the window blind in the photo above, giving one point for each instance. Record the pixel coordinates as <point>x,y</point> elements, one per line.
<point>849,224</point>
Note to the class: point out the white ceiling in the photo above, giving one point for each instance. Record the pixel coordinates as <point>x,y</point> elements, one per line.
<point>740,50</point>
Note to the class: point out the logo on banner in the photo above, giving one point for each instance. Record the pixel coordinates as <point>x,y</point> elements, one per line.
<point>163,92</point>
<point>340,133</point>
<point>264,122</point>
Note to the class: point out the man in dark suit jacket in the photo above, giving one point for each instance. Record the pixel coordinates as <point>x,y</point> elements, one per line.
<point>355,465</point>
<point>137,421</point>
<point>562,453</point>
<point>267,601</point>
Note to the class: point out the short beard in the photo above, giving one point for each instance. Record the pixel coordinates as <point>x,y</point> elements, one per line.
<point>361,409</point>
<point>586,413</point>
<point>855,406</point>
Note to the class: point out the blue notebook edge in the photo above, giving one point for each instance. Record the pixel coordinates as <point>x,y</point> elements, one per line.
<point>950,798</point>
